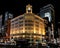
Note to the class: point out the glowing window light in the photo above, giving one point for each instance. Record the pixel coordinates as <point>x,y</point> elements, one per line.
<point>43,33</point>
<point>34,31</point>
<point>23,35</point>
<point>40,32</point>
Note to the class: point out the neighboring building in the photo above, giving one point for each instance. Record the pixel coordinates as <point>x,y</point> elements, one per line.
<point>58,38</point>
<point>28,25</point>
<point>3,33</point>
<point>59,29</point>
<point>8,17</point>
<point>0,24</point>
<point>48,11</point>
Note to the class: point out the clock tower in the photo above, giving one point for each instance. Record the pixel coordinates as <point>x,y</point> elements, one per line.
<point>28,8</point>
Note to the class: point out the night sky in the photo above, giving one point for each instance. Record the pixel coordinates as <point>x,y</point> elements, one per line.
<point>17,7</point>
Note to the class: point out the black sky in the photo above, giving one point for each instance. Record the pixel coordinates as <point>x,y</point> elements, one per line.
<point>17,7</point>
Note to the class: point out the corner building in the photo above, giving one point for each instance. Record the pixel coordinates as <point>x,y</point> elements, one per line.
<point>27,25</point>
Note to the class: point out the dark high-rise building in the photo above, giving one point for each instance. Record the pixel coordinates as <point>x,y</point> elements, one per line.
<point>48,11</point>
<point>8,16</point>
<point>3,33</point>
<point>59,29</point>
<point>0,24</point>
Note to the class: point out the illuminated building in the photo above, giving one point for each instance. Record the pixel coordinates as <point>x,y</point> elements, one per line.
<point>48,11</point>
<point>28,25</point>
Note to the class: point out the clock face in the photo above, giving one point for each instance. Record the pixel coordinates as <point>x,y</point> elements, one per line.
<point>29,8</point>
<point>47,14</point>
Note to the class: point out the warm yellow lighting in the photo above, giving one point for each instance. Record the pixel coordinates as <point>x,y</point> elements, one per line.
<point>43,33</point>
<point>23,35</point>
<point>23,32</point>
<point>28,7</point>
<point>23,29</point>
<point>10,31</point>
<point>28,23</point>
<point>39,32</point>
<point>34,36</point>
<point>14,36</point>
<point>17,31</point>
<point>17,36</point>
<point>14,32</point>
<point>34,32</point>
<point>40,37</point>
